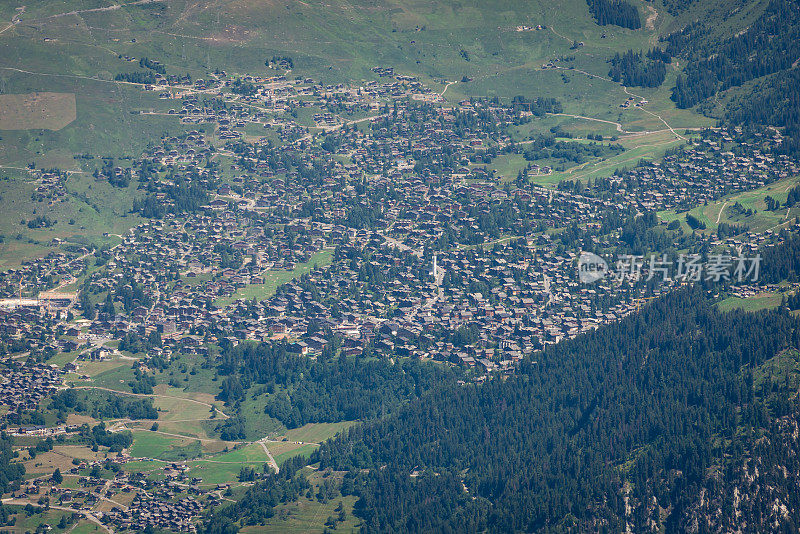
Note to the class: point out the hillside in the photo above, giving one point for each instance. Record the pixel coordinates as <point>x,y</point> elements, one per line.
<point>88,52</point>
<point>399,266</point>
<point>627,427</point>
<point>80,48</point>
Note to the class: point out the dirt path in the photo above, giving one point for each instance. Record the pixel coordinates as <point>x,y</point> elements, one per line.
<point>616,124</point>
<point>327,129</point>
<point>15,19</point>
<point>719,215</point>
<point>447,86</point>
<point>71,76</point>
<point>618,162</point>
<point>650,21</point>
<point>629,93</point>
<point>195,438</point>
<point>112,7</point>
<point>223,414</point>
<point>784,223</point>
<point>272,461</point>
<point>562,36</point>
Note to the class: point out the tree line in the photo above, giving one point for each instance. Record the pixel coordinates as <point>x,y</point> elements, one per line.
<point>771,44</point>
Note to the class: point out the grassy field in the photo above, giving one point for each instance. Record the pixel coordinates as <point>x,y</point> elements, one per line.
<point>282,452</point>
<point>310,515</point>
<point>154,445</point>
<point>198,386</point>
<point>215,472</point>
<point>95,369</point>
<point>257,423</point>
<point>248,453</point>
<point>647,146</point>
<point>721,211</point>
<point>762,301</point>
<point>190,429</point>
<point>45,463</point>
<point>63,358</point>
<point>59,458</point>
<point>112,374</point>
<point>89,210</point>
<point>178,409</point>
<point>438,42</point>
<point>273,279</point>
<point>45,111</point>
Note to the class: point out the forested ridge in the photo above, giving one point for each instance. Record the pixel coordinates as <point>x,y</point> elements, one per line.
<point>642,411</point>
<point>764,54</point>
<point>769,45</point>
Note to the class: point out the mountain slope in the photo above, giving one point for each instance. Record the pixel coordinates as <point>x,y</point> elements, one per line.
<point>624,426</point>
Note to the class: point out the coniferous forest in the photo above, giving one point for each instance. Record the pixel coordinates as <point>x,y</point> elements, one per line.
<point>634,69</point>
<point>642,415</point>
<point>764,55</point>
<point>771,44</point>
<point>617,12</point>
<point>10,473</point>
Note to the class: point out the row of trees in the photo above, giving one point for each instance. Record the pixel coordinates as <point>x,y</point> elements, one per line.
<point>184,195</point>
<point>539,106</point>
<point>102,405</point>
<point>547,147</point>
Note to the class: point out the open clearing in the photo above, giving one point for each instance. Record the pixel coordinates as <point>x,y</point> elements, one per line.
<point>287,452</point>
<point>308,515</point>
<point>273,279</point>
<point>317,432</point>
<point>761,301</point>
<point>42,111</point>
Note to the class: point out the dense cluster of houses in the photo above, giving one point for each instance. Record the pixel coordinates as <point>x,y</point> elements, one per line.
<point>157,502</point>
<point>145,511</point>
<point>422,250</point>
<point>41,274</point>
<point>24,385</point>
<point>414,179</point>
<point>706,171</point>
<point>49,186</point>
